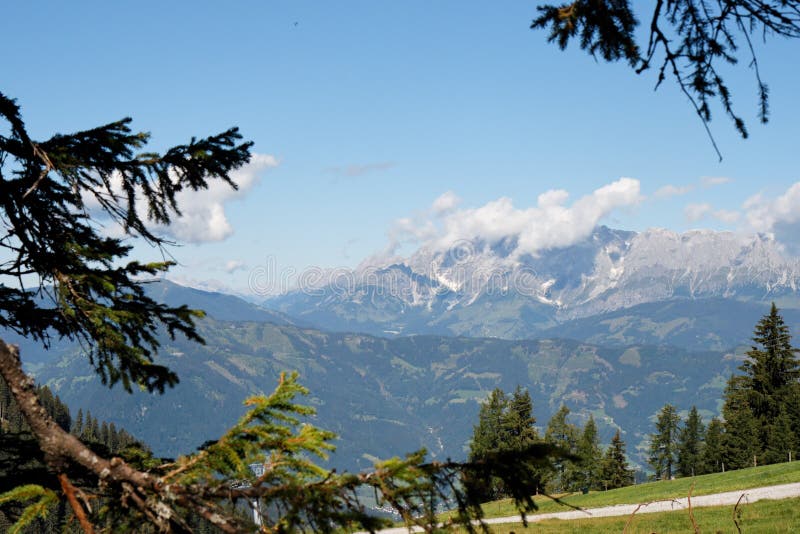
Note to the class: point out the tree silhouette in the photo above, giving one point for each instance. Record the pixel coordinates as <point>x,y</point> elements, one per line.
<point>688,40</point>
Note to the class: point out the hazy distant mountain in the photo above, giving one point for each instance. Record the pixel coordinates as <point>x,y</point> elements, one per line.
<point>220,306</point>
<point>216,305</point>
<point>482,289</point>
<point>390,396</point>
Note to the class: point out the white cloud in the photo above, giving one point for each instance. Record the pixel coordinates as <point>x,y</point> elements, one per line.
<point>203,215</point>
<point>673,191</point>
<point>711,181</point>
<point>695,212</point>
<point>778,217</point>
<point>446,203</point>
<point>231,266</point>
<point>550,224</point>
<point>727,216</point>
<point>763,214</point>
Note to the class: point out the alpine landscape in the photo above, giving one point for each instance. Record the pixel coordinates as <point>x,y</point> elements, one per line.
<point>392,267</point>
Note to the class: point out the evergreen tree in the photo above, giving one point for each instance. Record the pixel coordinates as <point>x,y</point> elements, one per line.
<point>714,447</point>
<point>521,434</point>
<point>518,430</point>
<point>664,443</point>
<point>590,455</point>
<point>742,437</point>
<point>792,408</point>
<point>77,427</point>
<point>488,437</point>
<point>113,438</point>
<point>771,371</point>
<point>564,435</point>
<point>105,437</point>
<point>87,433</point>
<point>690,445</point>
<point>505,426</point>
<point>62,415</point>
<point>614,470</point>
<point>781,440</point>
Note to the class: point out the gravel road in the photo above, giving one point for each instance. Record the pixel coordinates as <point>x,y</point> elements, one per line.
<point>784,491</point>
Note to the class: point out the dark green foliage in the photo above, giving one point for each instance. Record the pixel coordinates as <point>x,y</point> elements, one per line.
<point>604,28</point>
<point>488,437</point>
<point>86,290</point>
<point>771,370</point>
<point>781,440</point>
<point>614,470</point>
<point>664,443</point>
<point>742,438</point>
<point>20,457</point>
<point>518,423</point>
<point>505,428</point>
<point>590,457</point>
<point>686,40</point>
<point>714,447</point>
<point>761,405</point>
<point>564,435</point>
<point>690,445</point>
<point>77,427</point>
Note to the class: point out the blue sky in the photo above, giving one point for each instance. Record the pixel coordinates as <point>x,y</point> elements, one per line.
<point>365,113</point>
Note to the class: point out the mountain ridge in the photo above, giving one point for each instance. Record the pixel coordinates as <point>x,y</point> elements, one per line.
<point>521,295</point>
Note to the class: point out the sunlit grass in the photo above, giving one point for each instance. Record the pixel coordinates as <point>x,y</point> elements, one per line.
<point>760,517</point>
<point>753,477</point>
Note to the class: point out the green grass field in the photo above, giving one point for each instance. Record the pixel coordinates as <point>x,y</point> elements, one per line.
<point>761,517</point>
<point>753,477</point>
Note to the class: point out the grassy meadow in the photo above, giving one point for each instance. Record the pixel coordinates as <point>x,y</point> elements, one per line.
<point>753,477</point>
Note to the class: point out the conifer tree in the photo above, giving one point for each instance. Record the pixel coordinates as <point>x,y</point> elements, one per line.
<point>742,437</point>
<point>62,415</point>
<point>520,432</point>
<point>664,443</point>
<point>113,438</point>
<point>781,440</point>
<point>614,470</point>
<point>714,447</point>
<point>564,435</point>
<point>488,437</point>
<point>77,427</point>
<point>105,438</point>
<point>590,456</point>
<point>505,427</point>
<point>690,445</point>
<point>518,428</point>
<point>771,369</point>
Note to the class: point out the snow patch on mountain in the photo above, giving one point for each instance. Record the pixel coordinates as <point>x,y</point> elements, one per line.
<point>609,270</point>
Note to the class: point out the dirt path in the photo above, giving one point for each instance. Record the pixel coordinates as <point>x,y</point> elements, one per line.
<point>784,491</point>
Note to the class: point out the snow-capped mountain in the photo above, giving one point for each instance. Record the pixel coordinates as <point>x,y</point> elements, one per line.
<point>478,288</point>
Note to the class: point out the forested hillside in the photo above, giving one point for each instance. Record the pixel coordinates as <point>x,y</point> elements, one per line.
<point>388,396</point>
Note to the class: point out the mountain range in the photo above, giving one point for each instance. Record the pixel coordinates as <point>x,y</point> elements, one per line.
<point>489,289</point>
<point>398,354</point>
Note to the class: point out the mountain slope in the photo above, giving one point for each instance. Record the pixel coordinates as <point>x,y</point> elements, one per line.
<point>390,396</point>
<point>220,306</point>
<point>700,324</point>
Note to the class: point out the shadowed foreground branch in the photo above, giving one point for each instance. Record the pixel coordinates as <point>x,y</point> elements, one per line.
<point>295,494</point>
<point>690,40</point>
